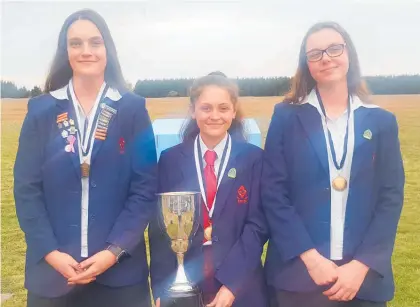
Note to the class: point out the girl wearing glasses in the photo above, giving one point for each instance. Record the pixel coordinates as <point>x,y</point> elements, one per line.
<point>332,184</point>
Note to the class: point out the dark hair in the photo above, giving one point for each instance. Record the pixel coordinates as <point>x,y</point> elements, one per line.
<point>190,130</point>
<point>303,83</point>
<point>61,72</point>
<point>217,73</point>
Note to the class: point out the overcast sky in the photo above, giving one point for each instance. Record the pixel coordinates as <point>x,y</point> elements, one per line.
<point>170,39</point>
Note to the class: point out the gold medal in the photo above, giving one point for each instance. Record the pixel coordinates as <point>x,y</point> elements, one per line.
<point>207,233</point>
<point>339,183</point>
<point>85,168</point>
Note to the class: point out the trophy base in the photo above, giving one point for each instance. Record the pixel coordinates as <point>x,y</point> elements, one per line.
<point>182,299</point>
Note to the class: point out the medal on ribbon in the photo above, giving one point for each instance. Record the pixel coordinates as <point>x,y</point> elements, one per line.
<point>85,141</point>
<point>339,183</point>
<point>200,170</point>
<point>207,232</point>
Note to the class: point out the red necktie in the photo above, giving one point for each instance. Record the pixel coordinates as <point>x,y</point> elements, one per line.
<point>210,177</point>
<point>209,285</point>
<point>210,182</point>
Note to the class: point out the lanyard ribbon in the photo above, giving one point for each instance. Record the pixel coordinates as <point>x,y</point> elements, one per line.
<point>343,158</point>
<point>89,128</point>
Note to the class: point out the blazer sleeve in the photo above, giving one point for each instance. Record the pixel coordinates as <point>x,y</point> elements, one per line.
<point>287,230</point>
<point>245,255</point>
<point>376,249</point>
<point>28,186</point>
<point>129,227</point>
<point>163,261</point>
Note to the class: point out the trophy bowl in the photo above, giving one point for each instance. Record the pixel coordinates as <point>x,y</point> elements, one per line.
<point>178,215</point>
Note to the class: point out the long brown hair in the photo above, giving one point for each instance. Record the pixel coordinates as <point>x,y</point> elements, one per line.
<point>190,130</point>
<point>61,72</point>
<point>303,83</point>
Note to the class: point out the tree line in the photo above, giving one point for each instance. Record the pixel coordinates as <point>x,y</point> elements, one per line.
<point>10,90</point>
<point>274,86</point>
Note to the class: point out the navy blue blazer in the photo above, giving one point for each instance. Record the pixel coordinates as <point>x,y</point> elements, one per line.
<point>122,192</point>
<point>239,230</point>
<point>296,197</point>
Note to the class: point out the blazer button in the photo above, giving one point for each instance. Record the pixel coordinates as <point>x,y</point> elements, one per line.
<point>93,184</point>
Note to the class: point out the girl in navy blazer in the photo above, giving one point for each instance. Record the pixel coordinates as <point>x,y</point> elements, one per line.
<point>85,177</point>
<point>224,258</point>
<point>332,184</point>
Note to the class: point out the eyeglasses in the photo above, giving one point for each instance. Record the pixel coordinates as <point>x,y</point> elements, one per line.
<point>332,51</point>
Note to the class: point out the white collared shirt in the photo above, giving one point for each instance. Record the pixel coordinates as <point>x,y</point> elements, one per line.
<point>219,151</point>
<point>337,129</point>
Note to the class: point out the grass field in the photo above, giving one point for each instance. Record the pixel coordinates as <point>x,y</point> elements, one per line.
<point>406,259</point>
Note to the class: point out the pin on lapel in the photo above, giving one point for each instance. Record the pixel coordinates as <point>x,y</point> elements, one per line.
<point>104,119</point>
<point>242,195</point>
<point>100,134</point>
<point>367,134</point>
<point>71,139</point>
<point>122,145</point>
<point>232,173</point>
<point>108,109</point>
<point>72,130</point>
<point>62,117</point>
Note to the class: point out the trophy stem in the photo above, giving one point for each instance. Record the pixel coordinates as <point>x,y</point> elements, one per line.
<point>181,277</point>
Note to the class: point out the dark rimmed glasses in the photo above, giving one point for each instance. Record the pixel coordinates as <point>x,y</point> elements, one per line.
<point>332,51</point>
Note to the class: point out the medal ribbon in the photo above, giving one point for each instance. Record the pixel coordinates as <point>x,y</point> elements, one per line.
<point>200,169</point>
<point>89,127</point>
<point>343,158</point>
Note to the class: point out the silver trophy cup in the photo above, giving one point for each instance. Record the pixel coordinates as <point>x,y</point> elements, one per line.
<point>179,214</point>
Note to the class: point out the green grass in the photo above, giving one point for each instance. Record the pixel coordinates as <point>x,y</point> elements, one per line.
<point>406,258</point>
<point>12,240</point>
